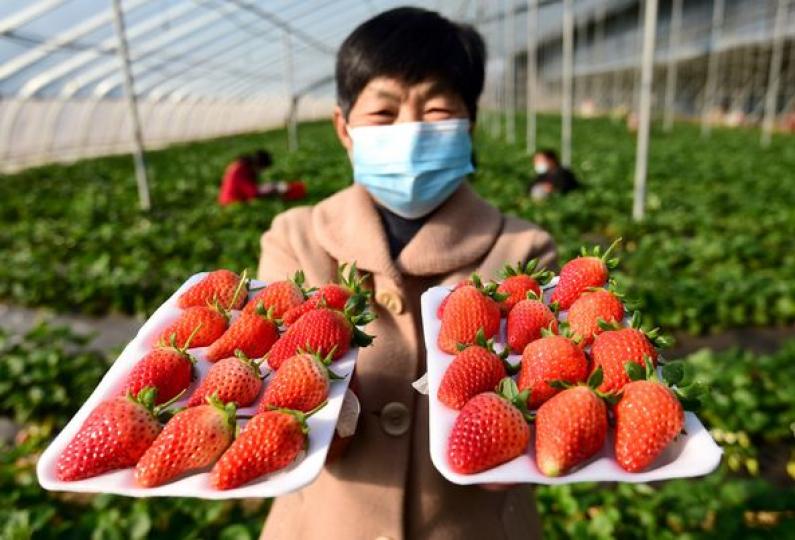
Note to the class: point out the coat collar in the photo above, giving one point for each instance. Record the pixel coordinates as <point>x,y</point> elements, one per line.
<point>457,234</point>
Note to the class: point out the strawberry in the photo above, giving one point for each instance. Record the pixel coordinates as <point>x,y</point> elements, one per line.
<point>474,370</point>
<point>613,348</point>
<point>333,295</point>
<point>582,273</point>
<point>526,320</point>
<point>518,281</point>
<point>440,309</point>
<point>301,384</point>
<point>114,436</point>
<point>210,322</point>
<point>491,429</point>
<point>193,439</point>
<point>253,333</point>
<point>324,331</point>
<point>570,428</point>
<point>588,310</point>
<point>547,359</point>
<point>221,287</point>
<point>648,417</point>
<point>232,380</point>
<point>469,309</point>
<point>271,441</point>
<point>168,369</point>
<point>279,296</point>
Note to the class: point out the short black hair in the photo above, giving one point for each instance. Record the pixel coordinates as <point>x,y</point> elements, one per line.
<point>412,45</point>
<point>550,154</point>
<point>262,158</point>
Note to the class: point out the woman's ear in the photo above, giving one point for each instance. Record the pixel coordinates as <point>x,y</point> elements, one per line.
<point>341,128</point>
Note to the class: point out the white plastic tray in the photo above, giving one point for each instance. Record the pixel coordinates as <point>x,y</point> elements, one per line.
<point>121,482</point>
<point>694,454</point>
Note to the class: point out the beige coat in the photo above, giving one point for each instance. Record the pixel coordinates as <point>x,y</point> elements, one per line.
<point>385,485</point>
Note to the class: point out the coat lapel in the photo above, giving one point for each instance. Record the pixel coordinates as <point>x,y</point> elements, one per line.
<point>458,234</point>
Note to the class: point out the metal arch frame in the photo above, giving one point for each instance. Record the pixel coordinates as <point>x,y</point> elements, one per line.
<point>160,93</point>
<point>70,65</point>
<point>24,16</point>
<point>106,67</point>
<point>35,54</point>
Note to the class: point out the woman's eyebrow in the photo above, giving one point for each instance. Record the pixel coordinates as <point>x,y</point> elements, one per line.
<point>387,95</point>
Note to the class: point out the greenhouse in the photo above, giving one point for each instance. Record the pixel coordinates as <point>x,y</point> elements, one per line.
<point>292,237</point>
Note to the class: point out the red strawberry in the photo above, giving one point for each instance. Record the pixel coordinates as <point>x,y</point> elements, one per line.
<point>648,417</point>
<point>491,429</point>
<point>211,324</point>
<point>324,331</point>
<point>168,369</point>
<point>518,281</point>
<point>440,309</point>
<point>221,286</point>
<point>332,295</point>
<point>301,384</point>
<point>253,333</point>
<point>548,359</point>
<point>526,320</point>
<point>570,428</point>
<point>279,296</point>
<point>193,439</point>
<point>612,349</point>
<point>586,312</point>
<point>271,441</point>
<point>469,309</point>
<point>235,379</point>
<point>114,436</point>
<point>582,273</point>
<point>474,370</point>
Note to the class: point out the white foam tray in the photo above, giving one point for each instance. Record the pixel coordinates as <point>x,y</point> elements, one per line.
<point>694,454</point>
<point>121,482</point>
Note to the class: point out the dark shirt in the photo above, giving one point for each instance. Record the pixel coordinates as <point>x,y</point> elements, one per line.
<point>399,230</point>
<point>562,180</point>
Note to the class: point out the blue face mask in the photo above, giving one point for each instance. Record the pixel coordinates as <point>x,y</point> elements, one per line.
<point>412,168</point>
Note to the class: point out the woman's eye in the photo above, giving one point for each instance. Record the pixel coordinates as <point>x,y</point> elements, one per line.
<point>383,112</point>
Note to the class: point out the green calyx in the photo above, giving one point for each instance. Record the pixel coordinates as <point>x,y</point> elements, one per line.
<point>299,278</point>
<point>677,376</point>
<point>324,361</point>
<point>606,257</point>
<point>488,344</point>
<point>248,362</point>
<point>300,417</point>
<point>593,383</point>
<point>659,340</point>
<point>267,314</point>
<point>147,397</point>
<point>172,344</point>
<point>508,390</point>
<point>352,280</point>
<point>359,317</point>
<point>489,289</point>
<point>529,269</point>
<point>242,285</point>
<point>228,410</point>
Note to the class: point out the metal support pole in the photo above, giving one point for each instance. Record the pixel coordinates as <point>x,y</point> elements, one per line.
<point>129,90</point>
<point>292,126</point>
<point>710,89</point>
<point>670,75</point>
<point>644,106</point>
<point>510,74</point>
<point>599,55</point>
<point>774,76</point>
<point>568,65</point>
<point>532,74</point>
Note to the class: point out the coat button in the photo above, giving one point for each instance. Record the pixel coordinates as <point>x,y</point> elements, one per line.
<point>395,419</point>
<point>390,300</point>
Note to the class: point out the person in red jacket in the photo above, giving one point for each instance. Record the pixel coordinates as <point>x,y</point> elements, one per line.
<point>240,178</point>
<point>240,181</point>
